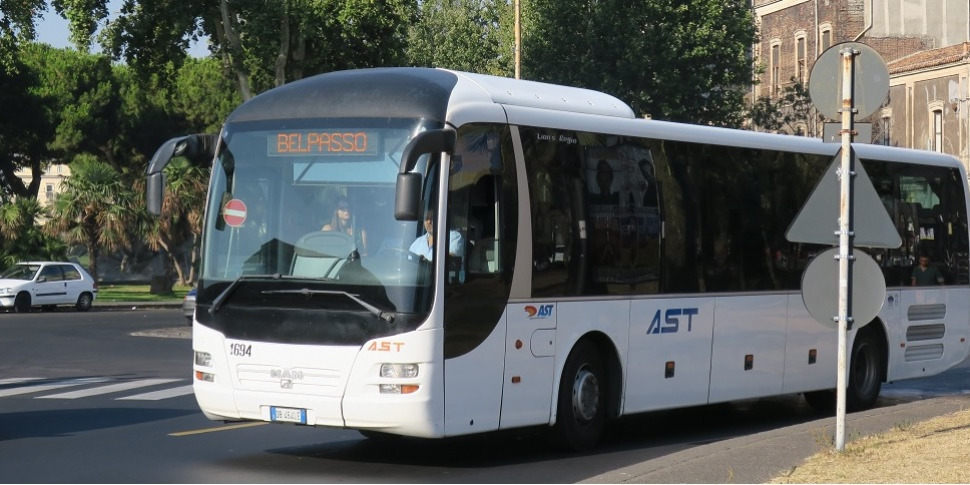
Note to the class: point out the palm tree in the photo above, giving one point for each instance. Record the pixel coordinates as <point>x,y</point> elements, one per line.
<point>94,209</point>
<point>21,239</point>
<point>181,218</point>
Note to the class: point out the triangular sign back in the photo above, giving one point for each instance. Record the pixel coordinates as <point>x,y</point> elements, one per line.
<point>818,220</point>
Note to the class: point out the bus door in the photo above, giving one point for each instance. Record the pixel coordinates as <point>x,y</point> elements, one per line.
<point>482,222</point>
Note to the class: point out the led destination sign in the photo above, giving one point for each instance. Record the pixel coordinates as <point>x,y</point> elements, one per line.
<point>303,143</point>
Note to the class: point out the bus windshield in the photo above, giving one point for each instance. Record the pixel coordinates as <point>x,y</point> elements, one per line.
<point>309,204</point>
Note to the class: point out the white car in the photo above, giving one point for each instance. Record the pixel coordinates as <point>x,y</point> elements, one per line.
<point>46,284</point>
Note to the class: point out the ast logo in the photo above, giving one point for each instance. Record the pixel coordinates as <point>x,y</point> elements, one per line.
<point>543,311</point>
<point>671,320</point>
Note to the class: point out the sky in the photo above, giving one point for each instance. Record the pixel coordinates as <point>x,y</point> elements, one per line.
<point>53,30</point>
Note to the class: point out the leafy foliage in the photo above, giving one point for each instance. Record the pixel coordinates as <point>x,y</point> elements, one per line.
<point>21,238</point>
<point>791,113</point>
<point>94,209</point>
<point>465,35</point>
<point>679,60</point>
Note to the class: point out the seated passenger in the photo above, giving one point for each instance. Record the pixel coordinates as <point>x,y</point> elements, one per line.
<point>344,221</point>
<point>424,245</point>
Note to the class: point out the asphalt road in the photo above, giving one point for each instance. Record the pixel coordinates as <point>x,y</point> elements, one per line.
<point>85,398</point>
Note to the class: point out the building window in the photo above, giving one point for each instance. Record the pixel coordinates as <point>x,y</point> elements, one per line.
<point>886,126</point>
<point>800,59</point>
<point>938,130</point>
<point>825,37</point>
<point>49,192</point>
<point>776,68</point>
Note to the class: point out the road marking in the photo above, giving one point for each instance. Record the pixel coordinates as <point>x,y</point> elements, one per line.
<point>35,388</point>
<point>159,395</point>
<point>18,380</point>
<point>221,428</point>
<point>121,386</point>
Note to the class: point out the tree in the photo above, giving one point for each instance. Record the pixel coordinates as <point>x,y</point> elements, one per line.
<point>21,238</point>
<point>465,35</point>
<point>25,127</point>
<point>94,209</point>
<point>181,219</point>
<point>679,60</point>
<point>791,113</point>
<point>262,44</point>
<point>85,102</point>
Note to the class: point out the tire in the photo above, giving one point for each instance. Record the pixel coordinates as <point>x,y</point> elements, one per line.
<point>821,401</point>
<point>866,368</point>
<point>21,304</point>
<point>84,302</point>
<point>581,409</point>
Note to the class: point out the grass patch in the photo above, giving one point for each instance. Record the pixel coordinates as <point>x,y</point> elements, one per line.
<point>138,293</point>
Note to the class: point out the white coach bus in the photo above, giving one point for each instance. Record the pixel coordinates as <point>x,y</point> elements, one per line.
<point>598,265</point>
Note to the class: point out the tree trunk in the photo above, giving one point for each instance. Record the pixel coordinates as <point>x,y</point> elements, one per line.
<point>233,52</point>
<point>284,47</point>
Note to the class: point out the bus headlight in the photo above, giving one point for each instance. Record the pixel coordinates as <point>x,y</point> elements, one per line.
<point>203,359</point>
<point>399,371</point>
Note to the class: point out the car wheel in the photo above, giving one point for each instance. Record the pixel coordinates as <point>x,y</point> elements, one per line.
<point>21,304</point>
<point>581,412</point>
<point>83,302</point>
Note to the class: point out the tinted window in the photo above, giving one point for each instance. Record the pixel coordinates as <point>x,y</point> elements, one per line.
<point>71,273</point>
<point>617,215</point>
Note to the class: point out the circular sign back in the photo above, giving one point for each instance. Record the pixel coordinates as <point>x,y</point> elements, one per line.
<point>820,288</point>
<point>234,213</point>
<point>870,80</point>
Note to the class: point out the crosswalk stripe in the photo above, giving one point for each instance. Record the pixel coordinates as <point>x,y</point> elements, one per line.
<point>31,389</point>
<point>121,386</point>
<point>159,395</point>
<point>18,380</point>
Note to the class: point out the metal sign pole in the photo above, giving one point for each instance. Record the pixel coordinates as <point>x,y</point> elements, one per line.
<point>845,242</point>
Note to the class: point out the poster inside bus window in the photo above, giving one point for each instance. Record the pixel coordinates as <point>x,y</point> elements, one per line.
<point>330,142</point>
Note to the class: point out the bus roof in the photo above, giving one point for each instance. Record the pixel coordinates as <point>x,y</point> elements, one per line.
<point>410,92</point>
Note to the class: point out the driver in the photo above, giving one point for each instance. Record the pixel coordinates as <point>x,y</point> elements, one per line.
<point>424,245</point>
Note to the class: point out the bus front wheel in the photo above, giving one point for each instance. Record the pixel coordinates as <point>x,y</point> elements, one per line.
<point>581,410</point>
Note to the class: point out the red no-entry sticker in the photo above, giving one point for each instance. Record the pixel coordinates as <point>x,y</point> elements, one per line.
<point>234,213</point>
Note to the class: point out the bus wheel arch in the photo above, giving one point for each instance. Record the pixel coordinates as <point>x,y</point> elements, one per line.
<point>589,392</point>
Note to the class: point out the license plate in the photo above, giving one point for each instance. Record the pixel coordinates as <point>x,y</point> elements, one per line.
<point>287,415</point>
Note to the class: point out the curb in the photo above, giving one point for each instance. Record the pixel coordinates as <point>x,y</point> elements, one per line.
<point>761,457</point>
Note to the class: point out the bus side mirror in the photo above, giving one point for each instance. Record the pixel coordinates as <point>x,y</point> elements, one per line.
<point>197,148</point>
<point>407,196</point>
<point>408,191</point>
<point>155,192</point>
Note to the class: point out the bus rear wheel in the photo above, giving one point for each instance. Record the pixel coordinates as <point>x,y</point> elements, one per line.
<point>865,372</point>
<point>581,410</point>
<point>866,368</point>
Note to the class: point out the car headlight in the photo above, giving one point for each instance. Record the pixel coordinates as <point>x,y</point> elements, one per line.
<point>6,291</point>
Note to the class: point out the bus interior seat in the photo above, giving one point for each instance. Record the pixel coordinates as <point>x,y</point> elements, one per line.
<point>319,253</point>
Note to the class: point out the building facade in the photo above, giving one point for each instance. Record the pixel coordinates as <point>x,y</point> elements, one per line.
<point>50,182</point>
<point>925,44</point>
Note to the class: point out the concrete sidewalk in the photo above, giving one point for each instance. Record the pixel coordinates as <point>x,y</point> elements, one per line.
<point>761,457</point>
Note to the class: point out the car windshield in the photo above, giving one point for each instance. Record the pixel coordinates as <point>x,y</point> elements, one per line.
<point>313,200</point>
<point>20,272</point>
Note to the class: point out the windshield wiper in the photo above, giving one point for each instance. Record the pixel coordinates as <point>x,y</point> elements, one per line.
<point>235,283</point>
<point>387,317</point>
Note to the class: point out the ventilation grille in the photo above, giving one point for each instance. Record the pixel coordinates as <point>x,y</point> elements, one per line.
<point>934,331</point>
<point>917,353</point>
<point>935,311</point>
